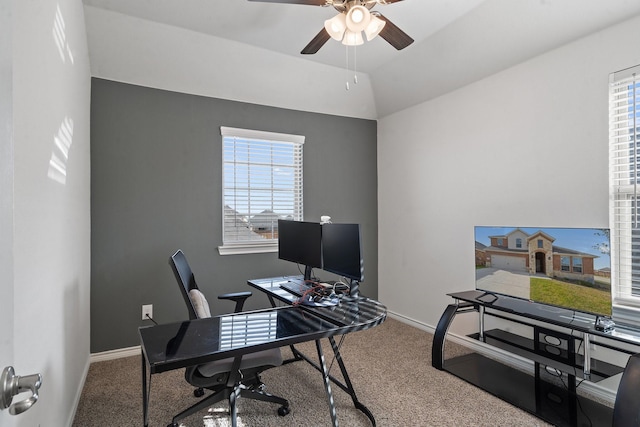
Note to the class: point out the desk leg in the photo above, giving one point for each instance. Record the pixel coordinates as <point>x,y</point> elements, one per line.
<point>327,384</point>
<point>271,300</point>
<point>349,386</point>
<point>145,393</point>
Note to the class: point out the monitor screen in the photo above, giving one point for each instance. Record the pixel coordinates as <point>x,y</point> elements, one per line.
<point>342,250</point>
<point>563,267</point>
<point>300,242</point>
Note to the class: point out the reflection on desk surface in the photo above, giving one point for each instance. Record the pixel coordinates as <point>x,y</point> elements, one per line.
<point>165,344</point>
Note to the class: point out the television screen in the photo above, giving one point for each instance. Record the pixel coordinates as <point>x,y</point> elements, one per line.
<point>564,267</point>
<point>342,250</point>
<point>300,242</point>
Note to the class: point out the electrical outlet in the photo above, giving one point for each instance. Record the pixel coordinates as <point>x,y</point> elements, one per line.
<point>147,309</point>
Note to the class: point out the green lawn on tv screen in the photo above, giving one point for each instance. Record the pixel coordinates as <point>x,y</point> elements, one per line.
<point>563,294</point>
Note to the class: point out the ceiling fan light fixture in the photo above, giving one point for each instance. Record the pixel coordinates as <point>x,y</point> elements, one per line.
<point>352,38</point>
<point>375,26</point>
<point>358,18</point>
<point>336,26</point>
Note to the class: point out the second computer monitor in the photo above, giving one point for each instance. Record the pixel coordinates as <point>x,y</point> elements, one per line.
<point>342,250</point>
<point>300,242</point>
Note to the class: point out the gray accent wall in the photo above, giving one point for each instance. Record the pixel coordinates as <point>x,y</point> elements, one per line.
<point>156,182</point>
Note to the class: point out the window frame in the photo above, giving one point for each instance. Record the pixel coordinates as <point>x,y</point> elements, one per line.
<point>576,264</point>
<point>624,191</point>
<point>248,246</point>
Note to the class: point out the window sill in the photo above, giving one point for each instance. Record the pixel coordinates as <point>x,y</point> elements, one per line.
<point>248,248</point>
<point>626,314</point>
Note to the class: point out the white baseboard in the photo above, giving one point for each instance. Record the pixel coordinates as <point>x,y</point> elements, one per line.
<point>115,354</point>
<point>76,401</point>
<point>607,394</point>
<point>99,357</point>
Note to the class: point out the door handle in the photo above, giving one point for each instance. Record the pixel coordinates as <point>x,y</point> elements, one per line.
<point>12,385</point>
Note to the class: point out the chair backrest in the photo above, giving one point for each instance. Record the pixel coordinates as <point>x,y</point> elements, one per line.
<point>185,278</point>
<point>626,410</point>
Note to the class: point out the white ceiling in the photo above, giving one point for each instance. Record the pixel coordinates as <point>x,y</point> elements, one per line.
<point>287,28</point>
<point>456,41</point>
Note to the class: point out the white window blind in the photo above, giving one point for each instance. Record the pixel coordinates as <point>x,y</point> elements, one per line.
<point>624,166</point>
<point>262,182</point>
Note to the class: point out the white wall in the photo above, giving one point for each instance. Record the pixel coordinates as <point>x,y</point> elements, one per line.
<point>6,191</point>
<point>51,90</point>
<point>132,50</point>
<point>524,147</point>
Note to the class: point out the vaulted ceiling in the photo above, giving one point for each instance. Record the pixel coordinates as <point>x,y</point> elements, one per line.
<point>456,43</point>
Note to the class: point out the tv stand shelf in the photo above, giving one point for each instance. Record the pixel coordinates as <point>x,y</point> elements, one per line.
<point>558,342</point>
<point>526,348</point>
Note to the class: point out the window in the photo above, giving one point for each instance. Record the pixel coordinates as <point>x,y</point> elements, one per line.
<point>564,264</point>
<point>261,183</point>
<point>518,242</point>
<point>500,242</point>
<point>624,165</point>
<point>577,264</point>
<point>540,244</point>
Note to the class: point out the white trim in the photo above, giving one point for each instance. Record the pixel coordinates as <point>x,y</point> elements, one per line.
<point>495,353</point>
<point>513,360</point>
<point>115,354</point>
<point>249,248</point>
<point>76,400</point>
<point>262,135</point>
<point>626,314</point>
<point>412,322</point>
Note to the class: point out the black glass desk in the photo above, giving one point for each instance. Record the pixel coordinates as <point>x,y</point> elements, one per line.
<point>350,314</point>
<point>183,344</point>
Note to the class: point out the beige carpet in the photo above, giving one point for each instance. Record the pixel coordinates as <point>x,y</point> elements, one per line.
<point>390,367</point>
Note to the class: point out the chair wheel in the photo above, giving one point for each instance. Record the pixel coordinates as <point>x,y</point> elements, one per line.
<point>199,392</point>
<point>283,410</point>
<point>173,425</point>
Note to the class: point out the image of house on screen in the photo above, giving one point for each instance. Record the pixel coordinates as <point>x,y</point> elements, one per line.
<point>536,254</point>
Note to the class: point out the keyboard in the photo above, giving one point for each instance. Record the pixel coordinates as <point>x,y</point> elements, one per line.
<point>295,287</point>
<point>306,297</point>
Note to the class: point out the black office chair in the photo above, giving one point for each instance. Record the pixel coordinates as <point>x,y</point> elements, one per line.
<point>626,410</point>
<point>217,375</point>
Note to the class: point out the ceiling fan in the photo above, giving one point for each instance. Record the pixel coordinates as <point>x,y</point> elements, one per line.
<point>353,18</point>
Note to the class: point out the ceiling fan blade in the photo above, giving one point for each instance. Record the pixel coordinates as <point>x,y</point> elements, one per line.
<point>387,1</point>
<point>318,41</point>
<point>394,35</point>
<point>307,2</point>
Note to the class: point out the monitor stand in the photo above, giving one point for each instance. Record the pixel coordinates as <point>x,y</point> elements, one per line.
<point>354,288</point>
<point>307,273</point>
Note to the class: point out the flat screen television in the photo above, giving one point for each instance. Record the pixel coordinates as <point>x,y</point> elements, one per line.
<point>300,242</point>
<point>562,267</point>
<point>342,250</point>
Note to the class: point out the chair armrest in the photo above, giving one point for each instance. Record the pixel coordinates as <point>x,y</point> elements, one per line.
<point>238,297</point>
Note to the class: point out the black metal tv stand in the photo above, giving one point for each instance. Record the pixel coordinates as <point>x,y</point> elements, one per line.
<point>559,342</point>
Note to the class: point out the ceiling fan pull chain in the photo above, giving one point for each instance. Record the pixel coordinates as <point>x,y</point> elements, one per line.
<point>346,50</point>
<point>355,64</point>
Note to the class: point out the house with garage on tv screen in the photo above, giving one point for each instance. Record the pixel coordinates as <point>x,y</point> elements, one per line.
<point>535,253</point>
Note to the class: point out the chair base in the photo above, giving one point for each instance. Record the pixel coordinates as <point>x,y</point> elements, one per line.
<point>232,394</point>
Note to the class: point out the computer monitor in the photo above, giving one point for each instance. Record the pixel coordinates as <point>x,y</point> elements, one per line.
<point>300,242</point>
<point>342,250</point>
